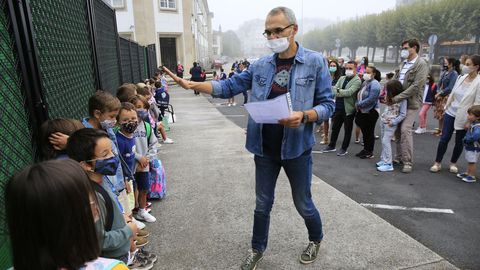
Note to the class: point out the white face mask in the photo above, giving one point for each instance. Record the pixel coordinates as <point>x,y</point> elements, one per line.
<point>467,69</point>
<point>349,73</point>
<point>278,45</point>
<point>367,77</point>
<point>404,54</point>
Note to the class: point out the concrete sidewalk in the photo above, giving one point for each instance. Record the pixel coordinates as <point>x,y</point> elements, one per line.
<point>205,222</point>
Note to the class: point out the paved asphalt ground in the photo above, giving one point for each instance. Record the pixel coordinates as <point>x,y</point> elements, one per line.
<point>206,219</point>
<point>456,237</point>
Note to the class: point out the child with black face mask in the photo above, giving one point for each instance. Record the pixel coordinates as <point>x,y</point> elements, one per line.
<point>146,150</point>
<point>128,122</point>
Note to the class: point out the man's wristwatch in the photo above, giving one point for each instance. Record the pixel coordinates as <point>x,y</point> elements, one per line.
<point>305,118</point>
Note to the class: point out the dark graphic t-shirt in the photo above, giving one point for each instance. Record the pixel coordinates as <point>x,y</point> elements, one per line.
<point>272,134</point>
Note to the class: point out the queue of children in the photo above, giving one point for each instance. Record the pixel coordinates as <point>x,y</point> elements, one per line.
<point>99,171</point>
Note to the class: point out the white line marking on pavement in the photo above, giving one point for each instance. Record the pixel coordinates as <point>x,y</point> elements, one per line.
<point>317,152</point>
<point>404,208</point>
<point>235,115</point>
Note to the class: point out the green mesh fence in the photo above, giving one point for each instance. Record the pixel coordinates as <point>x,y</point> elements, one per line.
<point>65,55</point>
<point>107,47</point>
<point>15,136</point>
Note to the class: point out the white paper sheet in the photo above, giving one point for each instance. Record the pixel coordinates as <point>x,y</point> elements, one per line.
<point>270,111</point>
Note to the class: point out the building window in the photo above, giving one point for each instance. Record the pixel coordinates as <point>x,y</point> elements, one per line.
<point>168,4</point>
<point>116,3</point>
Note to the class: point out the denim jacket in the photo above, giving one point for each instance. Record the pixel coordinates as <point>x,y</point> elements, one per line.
<point>369,98</point>
<point>309,87</point>
<point>447,82</point>
<point>472,138</point>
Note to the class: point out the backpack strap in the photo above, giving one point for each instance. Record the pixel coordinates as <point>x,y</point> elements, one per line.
<point>148,130</point>
<point>108,204</point>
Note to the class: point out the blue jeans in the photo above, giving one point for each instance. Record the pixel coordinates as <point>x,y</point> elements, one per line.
<point>447,132</point>
<point>299,173</point>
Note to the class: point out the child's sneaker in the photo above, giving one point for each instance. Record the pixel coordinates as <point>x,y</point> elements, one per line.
<point>168,141</point>
<point>380,163</point>
<point>140,264</point>
<point>140,225</point>
<point>140,241</point>
<point>469,179</point>
<point>143,215</point>
<point>143,233</point>
<point>385,168</point>
<point>143,254</point>
<point>461,175</point>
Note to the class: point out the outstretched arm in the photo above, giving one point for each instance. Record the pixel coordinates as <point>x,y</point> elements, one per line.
<point>204,87</point>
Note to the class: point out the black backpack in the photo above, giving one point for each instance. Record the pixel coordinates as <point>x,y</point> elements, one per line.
<point>108,204</point>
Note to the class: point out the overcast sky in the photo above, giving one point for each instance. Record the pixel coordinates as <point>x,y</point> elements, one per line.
<point>231,14</point>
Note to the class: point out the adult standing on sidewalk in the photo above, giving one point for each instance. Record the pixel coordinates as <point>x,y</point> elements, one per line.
<point>345,92</point>
<point>447,81</point>
<point>465,93</point>
<point>288,144</point>
<point>367,110</point>
<point>412,74</point>
<point>180,70</point>
<point>196,75</point>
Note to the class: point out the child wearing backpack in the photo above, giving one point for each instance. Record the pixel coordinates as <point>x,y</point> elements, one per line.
<point>155,115</point>
<point>103,109</point>
<point>472,144</point>
<point>92,148</point>
<point>392,116</point>
<point>146,150</point>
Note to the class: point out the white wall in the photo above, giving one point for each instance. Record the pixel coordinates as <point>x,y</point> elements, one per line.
<point>125,18</point>
<point>168,21</point>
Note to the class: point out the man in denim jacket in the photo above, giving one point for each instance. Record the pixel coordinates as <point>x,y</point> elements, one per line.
<point>288,144</point>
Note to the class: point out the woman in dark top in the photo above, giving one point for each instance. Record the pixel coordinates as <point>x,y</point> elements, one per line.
<point>367,110</point>
<point>449,76</point>
<point>196,72</point>
<point>335,73</point>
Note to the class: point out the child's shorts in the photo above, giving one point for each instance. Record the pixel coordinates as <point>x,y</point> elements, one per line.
<point>142,181</point>
<point>471,156</point>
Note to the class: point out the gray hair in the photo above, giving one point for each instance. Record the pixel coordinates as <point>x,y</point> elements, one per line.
<point>286,11</point>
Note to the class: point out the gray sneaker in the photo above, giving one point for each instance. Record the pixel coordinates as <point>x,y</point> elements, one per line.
<point>329,149</point>
<point>146,255</point>
<point>309,255</point>
<point>407,168</point>
<point>140,264</point>
<point>253,258</point>
<point>342,153</point>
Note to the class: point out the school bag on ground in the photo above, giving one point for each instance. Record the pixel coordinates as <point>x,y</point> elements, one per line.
<point>158,183</point>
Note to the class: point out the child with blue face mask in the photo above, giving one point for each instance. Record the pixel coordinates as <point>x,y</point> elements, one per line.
<point>92,148</point>
<point>146,150</point>
<point>103,109</point>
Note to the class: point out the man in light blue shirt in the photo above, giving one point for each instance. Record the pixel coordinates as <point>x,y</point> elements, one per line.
<point>304,74</point>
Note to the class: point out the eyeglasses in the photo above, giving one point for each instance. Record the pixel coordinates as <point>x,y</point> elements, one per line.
<point>276,31</point>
